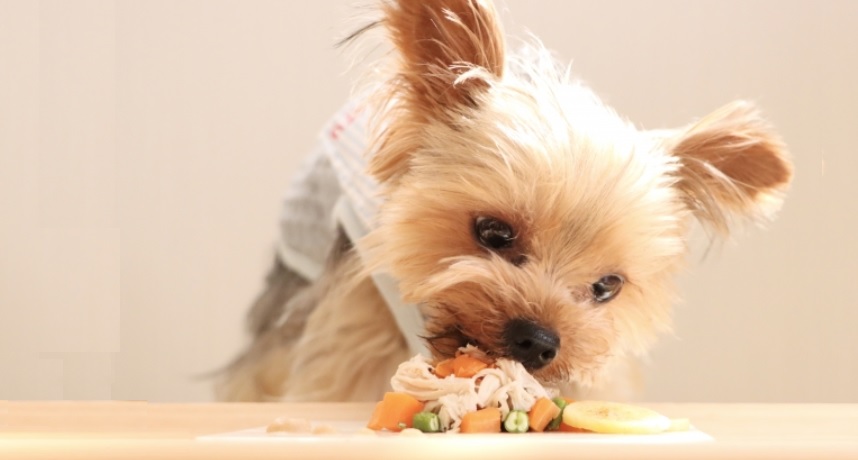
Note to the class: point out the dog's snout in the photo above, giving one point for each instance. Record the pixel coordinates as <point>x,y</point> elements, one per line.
<point>530,344</point>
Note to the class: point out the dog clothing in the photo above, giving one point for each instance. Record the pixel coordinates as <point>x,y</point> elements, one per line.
<point>332,189</point>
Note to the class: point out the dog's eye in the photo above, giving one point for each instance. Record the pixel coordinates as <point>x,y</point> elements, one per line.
<point>607,288</point>
<point>493,233</point>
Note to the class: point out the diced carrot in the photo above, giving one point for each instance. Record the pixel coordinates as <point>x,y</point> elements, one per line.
<point>486,420</point>
<point>571,429</point>
<point>376,419</point>
<point>404,407</point>
<point>542,413</point>
<point>467,366</point>
<point>444,368</point>
<point>568,400</point>
<point>394,412</point>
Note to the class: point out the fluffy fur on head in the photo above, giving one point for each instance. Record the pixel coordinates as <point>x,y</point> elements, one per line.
<point>464,132</point>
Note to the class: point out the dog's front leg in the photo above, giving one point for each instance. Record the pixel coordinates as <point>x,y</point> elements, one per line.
<point>336,341</point>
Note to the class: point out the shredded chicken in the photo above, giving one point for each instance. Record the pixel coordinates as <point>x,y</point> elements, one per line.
<point>507,386</point>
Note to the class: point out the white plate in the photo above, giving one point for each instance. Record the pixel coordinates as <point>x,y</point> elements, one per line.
<point>350,430</point>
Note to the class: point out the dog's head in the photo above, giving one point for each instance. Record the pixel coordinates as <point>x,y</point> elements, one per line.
<point>528,218</point>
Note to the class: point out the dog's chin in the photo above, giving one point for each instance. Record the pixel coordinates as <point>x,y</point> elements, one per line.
<point>553,375</point>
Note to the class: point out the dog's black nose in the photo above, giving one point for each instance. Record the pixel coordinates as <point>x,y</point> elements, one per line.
<point>530,344</point>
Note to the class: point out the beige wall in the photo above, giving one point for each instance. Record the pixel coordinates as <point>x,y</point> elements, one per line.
<point>144,146</point>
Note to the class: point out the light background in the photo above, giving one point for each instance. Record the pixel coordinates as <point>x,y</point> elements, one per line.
<point>144,146</point>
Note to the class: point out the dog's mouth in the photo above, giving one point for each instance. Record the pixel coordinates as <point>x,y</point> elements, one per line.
<point>445,343</point>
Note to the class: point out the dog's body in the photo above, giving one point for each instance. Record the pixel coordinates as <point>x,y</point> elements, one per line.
<point>519,214</point>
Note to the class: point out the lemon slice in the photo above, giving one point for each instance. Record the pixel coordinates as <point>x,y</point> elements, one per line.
<point>614,418</point>
<point>679,424</point>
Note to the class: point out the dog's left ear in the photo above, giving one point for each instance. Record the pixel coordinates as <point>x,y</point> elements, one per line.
<point>449,52</point>
<point>732,164</point>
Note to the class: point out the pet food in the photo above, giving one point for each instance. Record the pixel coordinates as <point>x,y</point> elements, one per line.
<point>286,425</point>
<point>516,422</point>
<point>616,418</point>
<point>395,412</point>
<point>471,393</point>
<point>427,422</point>
<point>290,425</point>
<point>543,412</point>
<point>458,390</point>
<point>486,420</point>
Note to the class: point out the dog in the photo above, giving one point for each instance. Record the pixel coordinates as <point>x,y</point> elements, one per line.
<point>514,211</point>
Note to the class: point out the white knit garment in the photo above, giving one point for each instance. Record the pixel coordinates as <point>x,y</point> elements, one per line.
<point>332,188</point>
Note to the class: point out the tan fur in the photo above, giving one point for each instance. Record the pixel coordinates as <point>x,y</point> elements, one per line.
<point>448,50</point>
<point>733,162</point>
<point>347,349</point>
<point>351,345</point>
<point>462,130</point>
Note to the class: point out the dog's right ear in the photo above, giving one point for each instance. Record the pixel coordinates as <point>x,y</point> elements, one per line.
<point>449,51</point>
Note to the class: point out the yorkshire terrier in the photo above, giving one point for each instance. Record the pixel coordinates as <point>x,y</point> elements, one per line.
<point>474,196</point>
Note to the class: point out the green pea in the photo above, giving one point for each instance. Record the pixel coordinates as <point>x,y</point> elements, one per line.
<point>516,422</point>
<point>554,425</point>
<point>427,422</point>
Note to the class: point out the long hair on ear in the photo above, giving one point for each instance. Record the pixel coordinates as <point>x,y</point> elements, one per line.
<point>446,53</point>
<point>733,166</point>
